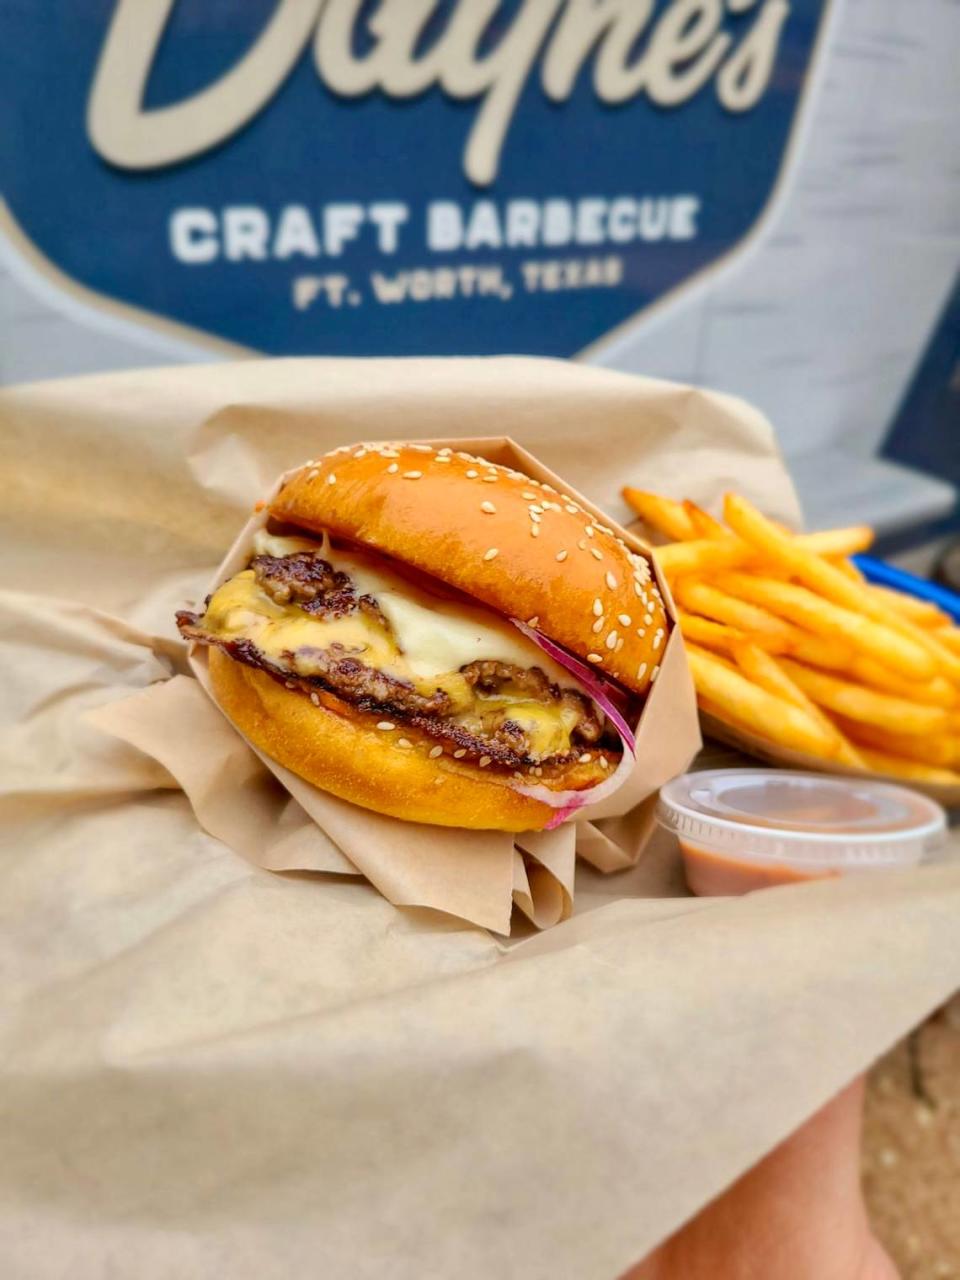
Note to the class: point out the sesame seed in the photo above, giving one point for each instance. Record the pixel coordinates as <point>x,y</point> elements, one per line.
<point>537,772</point>
<point>422,448</point>
<point>492,553</point>
<point>641,670</point>
<point>604,762</point>
<point>312,475</point>
<point>654,673</point>
<point>552,506</point>
<point>572,509</point>
<point>648,619</point>
<point>530,497</point>
<point>489,479</point>
<point>619,645</point>
<point>641,632</point>
<point>638,589</point>
<point>532,622</point>
<point>438,458</point>
<point>483,761</point>
<point>331,478</point>
<point>412,475</point>
<point>439,780</point>
<point>603,529</point>
<point>561,555</point>
<point>444,453</point>
<point>658,639</point>
<point>361,452</point>
<point>612,640</point>
<point>472,475</point>
<point>392,469</point>
<point>596,554</point>
<point>435,751</point>
<point>598,626</point>
<point>389,453</point>
<point>291,684</point>
<point>489,508</point>
<point>404,742</point>
<point>597,607</point>
<point>535,506</point>
<point>547,488</point>
<point>624,619</point>
<point>535,531</point>
<point>386,725</point>
<point>585,758</point>
<point>315,699</point>
<point>534,516</point>
<point>458,755</point>
<point>467,457</point>
<point>582,544</point>
<point>611,581</point>
<point>589,530</point>
<point>594,657</point>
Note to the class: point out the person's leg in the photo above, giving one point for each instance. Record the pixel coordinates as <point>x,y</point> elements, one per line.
<point>797,1215</point>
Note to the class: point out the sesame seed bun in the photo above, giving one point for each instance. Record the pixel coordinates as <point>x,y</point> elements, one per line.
<point>340,749</point>
<point>497,535</point>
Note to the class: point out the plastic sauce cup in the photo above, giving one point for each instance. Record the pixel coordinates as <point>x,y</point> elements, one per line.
<point>745,829</point>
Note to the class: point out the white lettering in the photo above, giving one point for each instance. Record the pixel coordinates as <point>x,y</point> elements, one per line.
<point>557,222</point>
<point>590,229</point>
<point>483,229</point>
<point>683,217</point>
<point>444,226</point>
<point>685,47</point>
<point>387,217</point>
<point>246,230</point>
<point>193,235</point>
<point>341,222</point>
<point>295,234</point>
<point>523,222</point>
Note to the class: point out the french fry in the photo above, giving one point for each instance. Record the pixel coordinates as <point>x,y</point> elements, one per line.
<point>712,635</point>
<point>721,606</point>
<point>925,748</point>
<point>867,705</point>
<point>942,655</point>
<point>837,544</point>
<point>938,692</point>
<point>662,514</point>
<point>950,639</point>
<point>909,770</point>
<point>802,606</point>
<point>701,555</point>
<point>762,713</point>
<point>706,525</point>
<point>922,612</point>
<point>824,579</point>
<point>765,671</point>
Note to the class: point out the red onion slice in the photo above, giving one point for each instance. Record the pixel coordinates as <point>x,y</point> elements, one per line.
<point>602,693</point>
<point>599,689</point>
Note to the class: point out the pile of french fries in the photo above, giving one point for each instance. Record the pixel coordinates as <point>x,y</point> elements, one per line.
<point>788,642</point>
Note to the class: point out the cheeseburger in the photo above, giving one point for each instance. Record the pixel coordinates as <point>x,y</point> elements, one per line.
<point>438,638</point>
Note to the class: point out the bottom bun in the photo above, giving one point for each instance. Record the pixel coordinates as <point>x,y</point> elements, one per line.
<point>340,750</point>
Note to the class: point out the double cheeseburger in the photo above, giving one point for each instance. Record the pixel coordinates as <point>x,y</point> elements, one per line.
<point>437,638</point>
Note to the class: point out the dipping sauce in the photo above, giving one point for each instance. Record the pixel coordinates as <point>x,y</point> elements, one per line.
<point>746,829</point>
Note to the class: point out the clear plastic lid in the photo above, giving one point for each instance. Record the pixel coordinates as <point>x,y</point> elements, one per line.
<point>808,820</point>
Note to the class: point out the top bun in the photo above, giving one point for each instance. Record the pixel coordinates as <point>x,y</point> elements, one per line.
<point>493,533</point>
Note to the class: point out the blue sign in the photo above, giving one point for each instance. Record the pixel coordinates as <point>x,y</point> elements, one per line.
<point>396,176</point>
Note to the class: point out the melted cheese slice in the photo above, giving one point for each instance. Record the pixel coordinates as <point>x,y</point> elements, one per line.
<point>429,638</point>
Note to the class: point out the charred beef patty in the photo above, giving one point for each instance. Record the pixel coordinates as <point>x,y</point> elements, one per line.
<point>309,583</point>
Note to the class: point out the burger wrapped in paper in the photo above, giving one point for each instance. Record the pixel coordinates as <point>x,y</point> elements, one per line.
<point>438,638</point>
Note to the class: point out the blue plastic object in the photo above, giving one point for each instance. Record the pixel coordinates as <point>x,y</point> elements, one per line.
<point>887,575</point>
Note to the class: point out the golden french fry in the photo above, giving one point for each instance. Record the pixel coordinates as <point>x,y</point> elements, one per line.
<point>922,612</point>
<point>700,556</point>
<point>938,692</point>
<point>824,579</point>
<point>800,605</point>
<point>867,705</point>
<point>837,544</point>
<point>910,770</point>
<point>706,525</point>
<point>762,713</point>
<point>935,749</point>
<point>712,635</point>
<point>767,672</point>
<point>950,639</point>
<point>662,514</point>
<point>848,569</point>
<point>943,656</point>
<point>721,606</point>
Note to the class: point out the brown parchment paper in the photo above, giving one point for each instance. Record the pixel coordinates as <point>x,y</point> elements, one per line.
<point>210,1069</point>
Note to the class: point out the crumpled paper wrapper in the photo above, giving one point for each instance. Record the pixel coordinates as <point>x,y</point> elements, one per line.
<point>213,1069</point>
<point>478,876</point>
